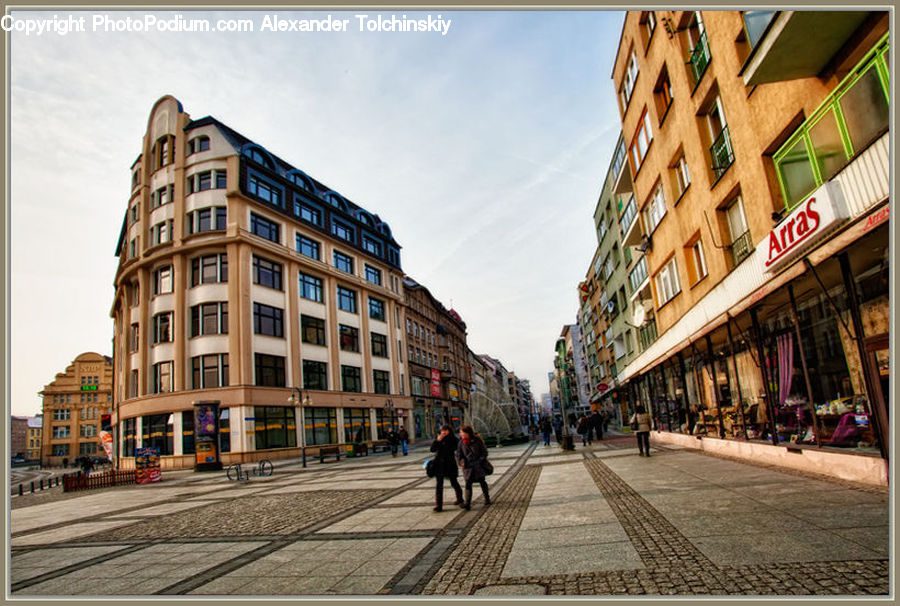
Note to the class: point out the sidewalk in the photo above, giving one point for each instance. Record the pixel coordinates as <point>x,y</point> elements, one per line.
<point>595,521</point>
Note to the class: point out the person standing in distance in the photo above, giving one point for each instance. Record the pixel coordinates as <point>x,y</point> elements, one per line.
<point>472,454</point>
<point>444,447</point>
<point>404,440</point>
<point>644,425</point>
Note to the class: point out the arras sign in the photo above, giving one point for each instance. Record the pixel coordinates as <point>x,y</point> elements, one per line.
<point>810,222</point>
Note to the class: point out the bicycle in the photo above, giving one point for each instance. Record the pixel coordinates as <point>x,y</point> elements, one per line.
<point>235,472</point>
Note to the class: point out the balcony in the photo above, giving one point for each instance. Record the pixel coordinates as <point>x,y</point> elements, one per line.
<point>854,115</point>
<point>622,171</point>
<point>639,276</point>
<point>741,248</point>
<point>630,236</point>
<point>647,334</point>
<point>699,58</point>
<point>722,153</point>
<point>798,44</point>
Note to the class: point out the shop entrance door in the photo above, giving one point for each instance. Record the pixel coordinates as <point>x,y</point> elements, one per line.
<point>878,352</point>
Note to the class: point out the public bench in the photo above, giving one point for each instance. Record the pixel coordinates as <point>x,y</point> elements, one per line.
<point>383,444</point>
<point>332,451</point>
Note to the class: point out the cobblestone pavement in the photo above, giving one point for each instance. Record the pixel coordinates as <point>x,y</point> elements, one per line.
<point>365,527</point>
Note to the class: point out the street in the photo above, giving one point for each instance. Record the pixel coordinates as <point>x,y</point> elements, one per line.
<point>597,521</point>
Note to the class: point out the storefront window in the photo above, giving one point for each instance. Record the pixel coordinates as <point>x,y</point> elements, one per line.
<point>384,420</point>
<point>419,421</point>
<point>157,432</point>
<point>128,437</point>
<point>357,425</point>
<point>321,426</point>
<point>187,432</point>
<point>275,427</point>
<point>224,430</point>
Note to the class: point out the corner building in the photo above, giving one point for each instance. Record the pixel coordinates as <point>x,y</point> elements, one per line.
<point>754,194</point>
<point>253,293</point>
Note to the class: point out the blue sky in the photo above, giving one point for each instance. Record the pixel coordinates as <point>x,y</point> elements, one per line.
<point>484,149</point>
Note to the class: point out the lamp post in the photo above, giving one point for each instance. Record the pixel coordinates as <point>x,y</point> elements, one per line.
<point>389,410</point>
<point>297,399</point>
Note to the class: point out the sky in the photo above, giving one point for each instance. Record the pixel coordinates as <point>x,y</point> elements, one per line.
<point>485,149</point>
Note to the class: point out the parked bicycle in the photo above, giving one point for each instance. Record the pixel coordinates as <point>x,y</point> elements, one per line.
<point>236,472</point>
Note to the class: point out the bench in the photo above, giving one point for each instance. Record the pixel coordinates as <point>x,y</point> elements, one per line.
<point>325,451</point>
<point>361,449</point>
<point>384,444</point>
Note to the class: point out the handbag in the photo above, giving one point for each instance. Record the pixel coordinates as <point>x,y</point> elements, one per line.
<point>634,424</point>
<point>488,468</point>
<point>429,468</point>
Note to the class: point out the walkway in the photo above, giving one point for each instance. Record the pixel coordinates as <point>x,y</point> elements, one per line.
<point>596,521</point>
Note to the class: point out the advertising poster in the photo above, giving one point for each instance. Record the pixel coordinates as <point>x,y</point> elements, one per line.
<point>146,466</point>
<point>435,383</point>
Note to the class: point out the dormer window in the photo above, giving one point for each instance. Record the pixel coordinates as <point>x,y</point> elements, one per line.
<point>198,144</point>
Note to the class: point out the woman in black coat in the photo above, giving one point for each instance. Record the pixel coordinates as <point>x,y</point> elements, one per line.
<point>472,455</point>
<point>444,447</point>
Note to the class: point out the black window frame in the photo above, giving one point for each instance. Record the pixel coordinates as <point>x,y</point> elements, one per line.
<point>312,330</point>
<point>267,273</point>
<point>345,295</point>
<point>265,228</point>
<point>268,320</point>
<point>271,367</point>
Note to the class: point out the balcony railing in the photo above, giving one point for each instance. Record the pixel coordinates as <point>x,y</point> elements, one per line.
<point>856,113</point>
<point>699,58</point>
<point>619,160</point>
<point>629,215</point>
<point>741,247</point>
<point>722,153</point>
<point>638,275</point>
<point>647,334</point>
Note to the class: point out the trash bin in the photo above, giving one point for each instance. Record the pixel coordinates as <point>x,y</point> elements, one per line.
<point>351,450</point>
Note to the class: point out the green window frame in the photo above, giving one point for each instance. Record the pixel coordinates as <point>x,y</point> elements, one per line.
<point>814,158</point>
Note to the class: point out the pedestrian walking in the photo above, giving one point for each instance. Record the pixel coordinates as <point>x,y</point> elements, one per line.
<point>393,440</point>
<point>596,424</point>
<point>606,417</point>
<point>403,435</point>
<point>584,430</point>
<point>444,447</point>
<point>642,423</point>
<point>557,429</point>
<point>471,453</point>
<point>545,430</point>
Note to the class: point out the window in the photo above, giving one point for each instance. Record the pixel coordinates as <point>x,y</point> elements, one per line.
<point>655,209</point>
<point>162,377</point>
<point>394,256</point>
<point>208,179</point>
<point>699,56</point>
<point>208,269</point>
<point>315,375</point>
<point>628,80</point>
<point>88,431</point>
<point>662,94</point>
<point>720,151</point>
<point>207,219</point>
<point>755,23</point>
<point>162,280</point>
<point>308,213</point>
<point>648,20</point>
<point>312,330</point>
<point>307,247</point>
<point>696,262</point>
<point>128,433</point>
<point>134,338</point>
<point>134,213</point>
<point>209,319</point>
<point>417,386</point>
<point>264,228</point>
<point>268,320</point>
<point>60,432</point>
<point>381,380</point>
<point>264,190</point>
<point>379,345</point>
<point>198,144</point>
<point>266,273</point>
<point>162,232</point>
<point>162,327</point>
<point>351,379</point>
<point>269,370</point>
<point>346,299</point>
<point>373,275</point>
<point>641,142</point>
<point>224,430</point>
<point>209,371</point>
<point>310,287</point>
<point>349,337</point>
<point>741,244</point>
<point>667,282</point>
<point>275,427</point>
<point>321,425</point>
<point>161,196</point>
<point>135,177</point>
<point>372,246</point>
<point>376,309</point>
<point>157,432</point>
<point>682,176</point>
<point>343,262</point>
<point>187,432</point>
<point>342,230</point>
<point>356,425</point>
<point>133,383</point>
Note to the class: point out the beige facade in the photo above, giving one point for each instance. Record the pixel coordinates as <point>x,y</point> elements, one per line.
<point>437,359</point>
<point>757,175</point>
<point>72,406</point>
<point>241,280</point>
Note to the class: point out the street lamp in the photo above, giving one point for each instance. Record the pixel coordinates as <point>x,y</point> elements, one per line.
<point>389,410</point>
<point>298,400</point>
